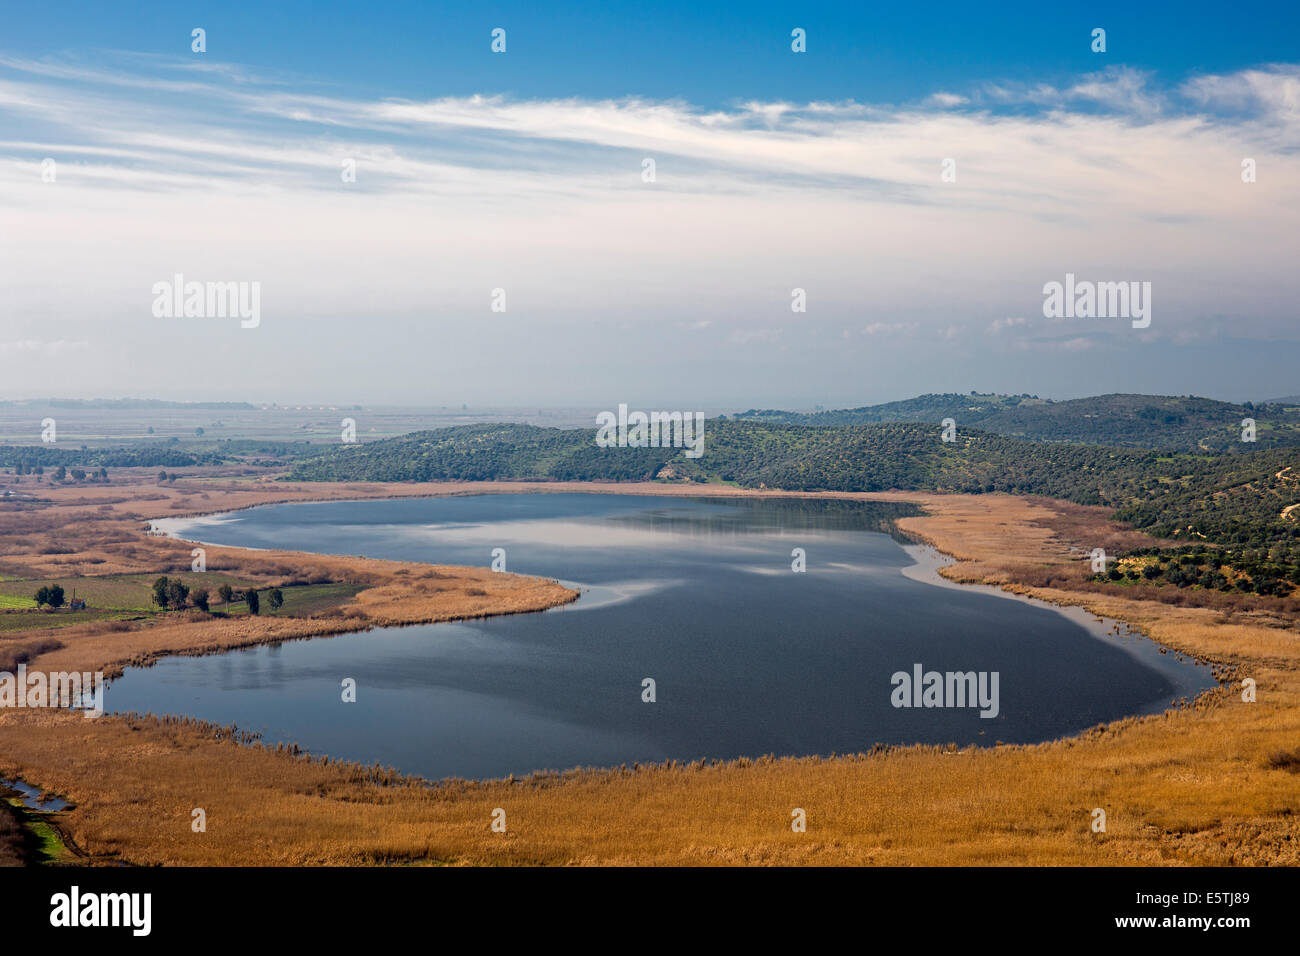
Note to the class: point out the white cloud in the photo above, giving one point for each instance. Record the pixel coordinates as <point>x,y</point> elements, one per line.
<point>889,328</point>
<point>222,175</point>
<point>999,325</point>
<point>946,100</point>
<point>752,336</point>
<point>1120,89</point>
<point>1274,91</point>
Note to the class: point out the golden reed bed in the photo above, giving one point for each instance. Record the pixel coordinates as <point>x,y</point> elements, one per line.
<point>1213,783</point>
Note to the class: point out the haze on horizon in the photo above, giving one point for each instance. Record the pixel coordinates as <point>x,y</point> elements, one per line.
<point>531,411</point>
<point>523,171</point>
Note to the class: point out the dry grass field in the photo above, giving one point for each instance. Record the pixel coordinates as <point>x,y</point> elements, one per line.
<point>1213,782</point>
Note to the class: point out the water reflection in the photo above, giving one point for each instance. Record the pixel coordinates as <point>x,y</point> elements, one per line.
<point>748,656</point>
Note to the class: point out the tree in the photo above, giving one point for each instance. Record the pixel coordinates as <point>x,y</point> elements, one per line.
<point>276,599</point>
<point>1268,586</point>
<point>160,591</point>
<point>253,603</point>
<point>60,473</point>
<point>177,593</point>
<point>55,596</point>
<point>199,598</point>
<point>198,432</point>
<point>42,596</point>
<point>162,476</point>
<point>227,594</point>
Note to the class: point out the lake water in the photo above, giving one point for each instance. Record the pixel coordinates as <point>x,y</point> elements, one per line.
<point>748,656</point>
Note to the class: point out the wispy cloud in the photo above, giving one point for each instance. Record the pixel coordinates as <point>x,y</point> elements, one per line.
<point>946,100</point>
<point>170,165</point>
<point>1272,93</point>
<point>1002,325</point>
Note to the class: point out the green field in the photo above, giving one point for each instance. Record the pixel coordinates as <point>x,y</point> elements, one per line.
<point>11,621</point>
<point>49,846</point>
<point>308,599</point>
<point>302,600</point>
<point>115,592</point>
<point>127,596</point>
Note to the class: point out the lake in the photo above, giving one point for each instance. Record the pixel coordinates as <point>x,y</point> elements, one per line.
<point>748,656</point>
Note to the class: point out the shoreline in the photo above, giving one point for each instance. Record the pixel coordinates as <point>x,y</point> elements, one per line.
<point>929,562</point>
<point>1193,785</point>
<point>1144,649</point>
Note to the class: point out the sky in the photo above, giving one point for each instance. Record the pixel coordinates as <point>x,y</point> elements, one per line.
<point>920,175</point>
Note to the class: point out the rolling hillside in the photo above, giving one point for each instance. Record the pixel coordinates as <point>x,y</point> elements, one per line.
<point>1132,421</point>
<point>1237,499</point>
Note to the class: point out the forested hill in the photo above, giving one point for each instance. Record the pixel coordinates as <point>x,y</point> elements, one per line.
<point>907,456</point>
<point>1229,498</point>
<point>1133,421</point>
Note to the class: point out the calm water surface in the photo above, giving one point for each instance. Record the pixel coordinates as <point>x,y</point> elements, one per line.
<point>748,657</point>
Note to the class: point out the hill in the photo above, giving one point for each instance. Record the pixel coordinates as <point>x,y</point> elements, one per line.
<point>1237,499</point>
<point>1167,423</point>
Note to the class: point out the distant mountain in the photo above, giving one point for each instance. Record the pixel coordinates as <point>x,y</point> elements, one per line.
<point>1160,422</point>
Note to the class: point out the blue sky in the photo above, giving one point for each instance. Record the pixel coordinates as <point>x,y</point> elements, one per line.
<point>872,52</point>
<point>523,171</point>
